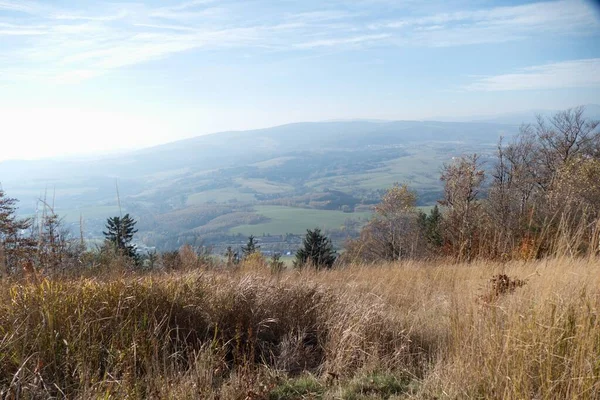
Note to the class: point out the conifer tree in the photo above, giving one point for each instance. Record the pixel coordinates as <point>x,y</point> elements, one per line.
<point>232,257</point>
<point>13,245</point>
<point>431,226</point>
<point>251,247</point>
<point>317,250</point>
<point>277,266</point>
<point>120,231</point>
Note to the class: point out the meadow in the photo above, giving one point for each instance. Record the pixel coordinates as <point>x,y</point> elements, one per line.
<point>282,220</point>
<point>403,330</point>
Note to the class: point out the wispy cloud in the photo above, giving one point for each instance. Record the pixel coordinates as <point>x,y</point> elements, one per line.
<point>493,25</point>
<point>85,44</point>
<point>346,40</point>
<point>567,74</point>
<point>75,17</point>
<point>20,6</point>
<point>21,30</point>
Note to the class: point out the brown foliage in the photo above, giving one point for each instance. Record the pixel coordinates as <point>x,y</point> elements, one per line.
<point>392,233</point>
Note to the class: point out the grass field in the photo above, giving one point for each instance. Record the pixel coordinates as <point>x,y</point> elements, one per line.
<point>264,186</point>
<point>392,331</point>
<point>420,170</point>
<point>219,196</point>
<point>296,220</point>
<point>273,162</point>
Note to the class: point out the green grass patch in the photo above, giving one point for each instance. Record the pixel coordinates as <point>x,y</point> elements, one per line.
<point>376,386</point>
<point>220,196</point>
<point>273,162</point>
<point>306,387</point>
<point>264,186</point>
<point>284,220</point>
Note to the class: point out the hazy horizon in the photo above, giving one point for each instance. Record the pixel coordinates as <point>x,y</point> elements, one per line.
<point>112,76</point>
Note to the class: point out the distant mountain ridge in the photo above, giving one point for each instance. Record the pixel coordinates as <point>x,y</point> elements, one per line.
<point>227,149</point>
<point>283,179</point>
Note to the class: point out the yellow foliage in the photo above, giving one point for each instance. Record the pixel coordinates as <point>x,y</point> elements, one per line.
<point>255,262</point>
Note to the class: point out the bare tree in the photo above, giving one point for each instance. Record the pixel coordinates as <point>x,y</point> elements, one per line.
<point>463,179</point>
<point>544,179</point>
<point>561,137</point>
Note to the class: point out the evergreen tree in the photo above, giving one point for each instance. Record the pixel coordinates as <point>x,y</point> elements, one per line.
<point>434,227</point>
<point>232,257</point>
<point>317,250</point>
<point>120,233</point>
<point>14,246</point>
<point>431,226</point>
<point>277,266</point>
<point>251,247</point>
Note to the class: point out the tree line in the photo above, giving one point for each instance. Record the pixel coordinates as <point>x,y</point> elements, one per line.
<point>540,197</point>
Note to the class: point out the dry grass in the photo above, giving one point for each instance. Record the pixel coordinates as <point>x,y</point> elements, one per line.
<point>413,330</point>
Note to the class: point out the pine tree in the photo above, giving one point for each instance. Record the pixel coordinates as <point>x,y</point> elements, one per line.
<point>277,266</point>
<point>431,226</point>
<point>317,250</point>
<point>250,247</point>
<point>120,233</point>
<point>434,227</point>
<point>13,245</point>
<point>232,257</point>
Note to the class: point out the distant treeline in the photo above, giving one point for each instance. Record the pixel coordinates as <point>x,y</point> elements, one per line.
<point>541,198</point>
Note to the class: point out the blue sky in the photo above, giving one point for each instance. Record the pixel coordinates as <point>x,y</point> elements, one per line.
<point>85,76</point>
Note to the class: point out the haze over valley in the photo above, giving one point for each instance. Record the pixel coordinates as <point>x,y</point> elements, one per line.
<point>271,181</point>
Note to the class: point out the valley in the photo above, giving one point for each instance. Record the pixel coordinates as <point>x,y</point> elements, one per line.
<point>218,189</point>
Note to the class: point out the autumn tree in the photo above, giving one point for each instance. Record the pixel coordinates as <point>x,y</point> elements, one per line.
<point>392,233</point>
<point>543,180</point>
<point>462,179</point>
<point>561,138</point>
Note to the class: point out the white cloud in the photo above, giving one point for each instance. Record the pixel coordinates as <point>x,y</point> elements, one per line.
<point>494,25</point>
<point>75,17</point>
<point>566,74</point>
<point>345,40</point>
<point>21,32</point>
<point>20,6</point>
<point>80,45</point>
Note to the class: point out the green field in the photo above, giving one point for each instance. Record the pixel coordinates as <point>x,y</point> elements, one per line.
<point>296,220</point>
<point>419,170</point>
<point>219,196</point>
<point>263,186</point>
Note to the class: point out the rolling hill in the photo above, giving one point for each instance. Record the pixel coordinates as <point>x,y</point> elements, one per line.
<point>217,186</point>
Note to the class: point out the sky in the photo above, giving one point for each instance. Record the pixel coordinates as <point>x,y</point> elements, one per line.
<point>82,77</point>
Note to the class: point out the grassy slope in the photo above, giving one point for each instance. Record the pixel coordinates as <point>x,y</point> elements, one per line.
<point>420,170</point>
<point>296,220</point>
<point>220,196</point>
<point>417,331</point>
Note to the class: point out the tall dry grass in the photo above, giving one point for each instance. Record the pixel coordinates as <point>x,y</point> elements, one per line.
<point>412,330</point>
